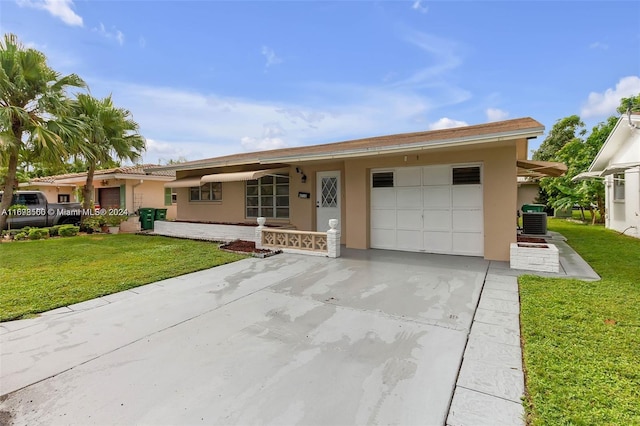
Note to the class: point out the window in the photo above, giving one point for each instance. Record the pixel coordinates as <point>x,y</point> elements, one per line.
<point>170,196</point>
<point>268,197</point>
<point>63,198</point>
<point>28,199</point>
<point>382,180</point>
<point>618,187</point>
<point>466,175</point>
<point>211,191</point>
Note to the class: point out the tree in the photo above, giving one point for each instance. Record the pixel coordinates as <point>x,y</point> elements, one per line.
<point>564,131</point>
<point>33,106</point>
<point>110,133</point>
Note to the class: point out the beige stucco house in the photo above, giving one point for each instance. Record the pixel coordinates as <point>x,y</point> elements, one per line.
<point>450,191</point>
<point>128,187</point>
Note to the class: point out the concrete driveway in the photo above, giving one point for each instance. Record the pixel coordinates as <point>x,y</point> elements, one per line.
<point>374,337</point>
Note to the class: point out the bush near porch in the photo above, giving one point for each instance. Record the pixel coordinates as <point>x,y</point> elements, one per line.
<point>36,276</point>
<point>581,340</point>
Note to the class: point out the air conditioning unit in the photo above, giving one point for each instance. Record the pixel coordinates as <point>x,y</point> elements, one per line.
<point>534,223</point>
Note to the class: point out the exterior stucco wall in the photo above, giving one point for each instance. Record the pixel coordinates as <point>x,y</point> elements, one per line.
<point>52,192</point>
<point>499,182</point>
<point>527,194</point>
<point>624,215</point>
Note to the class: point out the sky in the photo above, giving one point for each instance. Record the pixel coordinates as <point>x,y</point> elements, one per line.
<point>209,78</point>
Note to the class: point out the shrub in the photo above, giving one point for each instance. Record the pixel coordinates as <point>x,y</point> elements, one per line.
<point>38,233</point>
<point>54,231</point>
<point>68,230</point>
<point>20,236</point>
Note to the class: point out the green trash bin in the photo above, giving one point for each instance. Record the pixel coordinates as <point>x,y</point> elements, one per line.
<point>533,208</point>
<point>161,214</point>
<point>147,216</point>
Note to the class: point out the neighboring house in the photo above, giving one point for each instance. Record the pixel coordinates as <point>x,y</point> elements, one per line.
<point>528,191</point>
<point>618,162</point>
<point>450,191</point>
<point>129,187</point>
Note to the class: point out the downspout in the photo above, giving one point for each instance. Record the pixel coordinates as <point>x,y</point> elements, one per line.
<point>133,194</point>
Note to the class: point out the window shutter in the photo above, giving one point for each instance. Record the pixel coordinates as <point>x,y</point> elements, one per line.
<point>167,196</point>
<point>123,194</point>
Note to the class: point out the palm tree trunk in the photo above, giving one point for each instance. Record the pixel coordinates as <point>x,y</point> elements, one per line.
<point>9,186</point>
<point>87,191</point>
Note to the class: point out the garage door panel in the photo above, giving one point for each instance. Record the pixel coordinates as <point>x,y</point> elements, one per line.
<point>424,211</point>
<point>383,197</point>
<point>409,240</point>
<point>437,242</point>
<point>436,197</point>
<point>437,220</point>
<point>383,238</point>
<point>409,197</point>
<point>467,220</point>
<point>409,219</point>
<point>466,196</point>
<point>409,176</point>
<point>468,243</point>
<point>383,219</point>
<point>436,175</point>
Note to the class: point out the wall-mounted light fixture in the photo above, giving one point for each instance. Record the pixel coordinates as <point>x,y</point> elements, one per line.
<point>303,178</point>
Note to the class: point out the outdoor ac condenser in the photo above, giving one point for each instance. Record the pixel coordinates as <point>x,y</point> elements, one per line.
<point>534,223</point>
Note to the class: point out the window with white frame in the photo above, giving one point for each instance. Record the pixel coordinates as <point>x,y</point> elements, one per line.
<point>268,197</point>
<point>618,187</point>
<point>211,191</point>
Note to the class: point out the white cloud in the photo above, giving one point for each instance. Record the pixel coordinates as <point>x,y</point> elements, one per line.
<point>598,45</point>
<point>270,55</point>
<point>602,104</point>
<point>495,114</point>
<point>447,123</point>
<point>62,9</point>
<point>114,34</point>
<point>417,5</point>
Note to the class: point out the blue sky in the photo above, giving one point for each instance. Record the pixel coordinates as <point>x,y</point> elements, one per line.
<point>209,78</point>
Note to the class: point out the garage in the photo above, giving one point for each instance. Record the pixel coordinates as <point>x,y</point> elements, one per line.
<point>434,209</point>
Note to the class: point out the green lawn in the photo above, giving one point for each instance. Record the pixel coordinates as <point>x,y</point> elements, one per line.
<point>36,276</point>
<point>582,339</point>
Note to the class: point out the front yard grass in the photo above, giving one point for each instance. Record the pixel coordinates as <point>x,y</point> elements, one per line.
<point>581,340</point>
<point>36,276</point>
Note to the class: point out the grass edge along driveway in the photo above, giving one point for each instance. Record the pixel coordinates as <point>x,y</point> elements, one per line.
<point>37,276</point>
<point>581,340</point>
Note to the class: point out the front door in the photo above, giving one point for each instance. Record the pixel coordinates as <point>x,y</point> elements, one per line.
<point>327,199</point>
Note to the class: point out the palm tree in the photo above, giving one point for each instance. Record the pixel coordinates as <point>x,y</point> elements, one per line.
<point>33,106</point>
<point>110,134</point>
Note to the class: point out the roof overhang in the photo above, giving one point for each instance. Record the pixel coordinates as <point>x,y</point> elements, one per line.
<point>241,176</point>
<point>533,168</point>
<point>618,168</point>
<point>189,182</point>
<point>585,176</point>
<point>413,147</point>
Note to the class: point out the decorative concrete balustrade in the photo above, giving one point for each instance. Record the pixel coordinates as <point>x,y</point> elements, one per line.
<point>302,242</point>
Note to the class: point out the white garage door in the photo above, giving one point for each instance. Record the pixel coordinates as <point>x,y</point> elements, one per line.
<point>435,209</point>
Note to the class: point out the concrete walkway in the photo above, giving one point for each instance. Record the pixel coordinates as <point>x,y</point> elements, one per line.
<point>372,337</point>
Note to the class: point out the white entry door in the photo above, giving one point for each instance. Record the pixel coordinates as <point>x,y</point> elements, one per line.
<point>327,199</point>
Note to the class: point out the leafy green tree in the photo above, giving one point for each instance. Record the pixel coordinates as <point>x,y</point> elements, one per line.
<point>110,133</point>
<point>33,106</point>
<point>563,131</point>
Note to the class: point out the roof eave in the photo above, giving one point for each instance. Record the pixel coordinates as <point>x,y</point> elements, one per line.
<point>418,146</point>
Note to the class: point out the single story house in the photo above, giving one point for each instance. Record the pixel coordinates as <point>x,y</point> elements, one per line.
<point>451,191</point>
<point>618,162</point>
<point>127,187</point>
